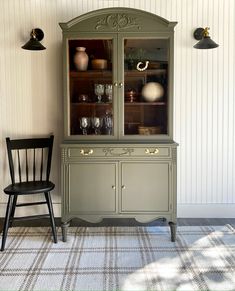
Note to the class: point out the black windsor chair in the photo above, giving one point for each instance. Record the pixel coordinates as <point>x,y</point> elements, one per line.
<point>33,178</point>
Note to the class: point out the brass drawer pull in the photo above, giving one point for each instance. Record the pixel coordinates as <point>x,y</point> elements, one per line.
<point>86,152</point>
<point>153,152</point>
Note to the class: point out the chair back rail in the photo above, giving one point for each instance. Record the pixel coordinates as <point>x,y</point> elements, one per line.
<point>36,151</point>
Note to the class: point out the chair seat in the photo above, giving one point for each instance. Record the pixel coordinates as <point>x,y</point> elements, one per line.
<point>31,187</point>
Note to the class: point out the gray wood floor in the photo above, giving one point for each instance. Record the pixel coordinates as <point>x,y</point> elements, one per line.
<point>129,222</point>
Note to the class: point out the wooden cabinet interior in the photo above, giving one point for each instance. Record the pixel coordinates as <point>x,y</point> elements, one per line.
<point>137,113</point>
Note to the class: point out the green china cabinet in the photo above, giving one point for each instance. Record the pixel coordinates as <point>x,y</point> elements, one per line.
<point>118,154</point>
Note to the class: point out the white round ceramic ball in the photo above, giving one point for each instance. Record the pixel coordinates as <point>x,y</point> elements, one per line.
<point>152,91</point>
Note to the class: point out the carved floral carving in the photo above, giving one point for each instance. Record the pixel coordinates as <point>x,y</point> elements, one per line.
<point>111,152</point>
<point>117,22</point>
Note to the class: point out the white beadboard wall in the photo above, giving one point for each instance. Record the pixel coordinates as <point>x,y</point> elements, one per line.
<point>204,108</point>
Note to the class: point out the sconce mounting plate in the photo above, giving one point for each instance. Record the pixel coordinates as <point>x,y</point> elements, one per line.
<point>198,33</point>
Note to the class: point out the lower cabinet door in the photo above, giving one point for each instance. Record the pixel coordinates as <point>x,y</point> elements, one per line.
<point>145,187</point>
<point>92,187</point>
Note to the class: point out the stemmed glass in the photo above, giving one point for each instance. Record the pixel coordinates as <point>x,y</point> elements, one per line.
<point>99,91</point>
<point>97,123</point>
<point>84,124</point>
<point>109,92</point>
<point>108,123</point>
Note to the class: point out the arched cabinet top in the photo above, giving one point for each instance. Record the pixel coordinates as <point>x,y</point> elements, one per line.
<point>118,20</point>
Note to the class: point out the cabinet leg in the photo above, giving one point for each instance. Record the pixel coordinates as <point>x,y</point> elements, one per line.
<point>173,227</point>
<point>64,228</point>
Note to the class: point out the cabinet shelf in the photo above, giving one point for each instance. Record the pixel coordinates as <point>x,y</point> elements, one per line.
<point>135,73</point>
<point>89,104</point>
<point>91,73</point>
<point>108,73</point>
<point>145,103</point>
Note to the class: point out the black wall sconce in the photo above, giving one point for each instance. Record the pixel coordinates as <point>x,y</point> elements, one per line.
<point>34,44</point>
<point>205,42</point>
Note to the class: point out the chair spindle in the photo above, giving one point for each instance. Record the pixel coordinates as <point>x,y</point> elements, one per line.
<point>19,166</point>
<point>27,166</point>
<point>34,165</point>
<point>41,169</point>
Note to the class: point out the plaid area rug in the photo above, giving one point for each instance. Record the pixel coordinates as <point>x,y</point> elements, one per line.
<point>120,258</point>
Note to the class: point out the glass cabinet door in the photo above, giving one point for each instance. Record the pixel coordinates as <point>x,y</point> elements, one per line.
<point>90,109</point>
<point>145,86</point>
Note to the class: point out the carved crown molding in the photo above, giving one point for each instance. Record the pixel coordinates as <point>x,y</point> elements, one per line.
<point>117,22</point>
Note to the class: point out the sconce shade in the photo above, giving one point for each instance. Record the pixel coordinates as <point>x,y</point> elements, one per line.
<point>205,42</point>
<point>34,44</point>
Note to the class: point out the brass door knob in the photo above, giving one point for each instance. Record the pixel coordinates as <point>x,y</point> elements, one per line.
<point>114,187</point>
<point>115,84</point>
<point>120,85</point>
<point>123,187</point>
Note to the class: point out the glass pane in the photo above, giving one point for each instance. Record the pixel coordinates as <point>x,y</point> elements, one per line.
<point>146,86</point>
<point>91,94</point>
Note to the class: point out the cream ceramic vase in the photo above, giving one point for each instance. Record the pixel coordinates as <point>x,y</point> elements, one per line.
<point>81,59</point>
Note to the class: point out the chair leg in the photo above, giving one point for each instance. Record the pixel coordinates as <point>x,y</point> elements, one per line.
<point>6,221</point>
<point>13,210</point>
<point>52,219</point>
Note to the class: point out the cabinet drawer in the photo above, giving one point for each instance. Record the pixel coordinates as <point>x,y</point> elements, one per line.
<point>119,152</point>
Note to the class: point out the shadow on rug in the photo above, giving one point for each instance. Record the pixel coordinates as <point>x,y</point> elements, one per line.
<point>119,258</point>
